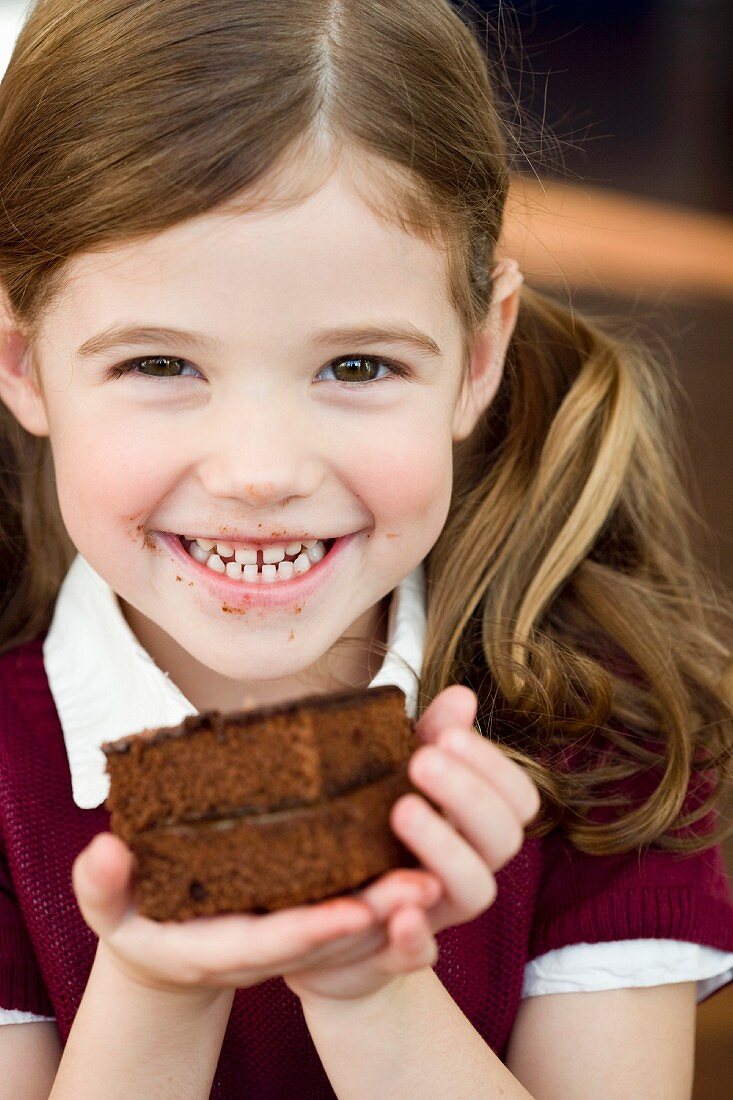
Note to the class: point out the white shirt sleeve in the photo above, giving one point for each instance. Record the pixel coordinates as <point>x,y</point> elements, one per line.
<point>15,1016</point>
<point>624,964</point>
<point>583,967</point>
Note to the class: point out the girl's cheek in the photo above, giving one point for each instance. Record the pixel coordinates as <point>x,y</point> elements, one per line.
<point>106,475</point>
<point>408,483</point>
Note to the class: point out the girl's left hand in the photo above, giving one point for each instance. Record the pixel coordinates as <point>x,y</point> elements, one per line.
<point>486,800</point>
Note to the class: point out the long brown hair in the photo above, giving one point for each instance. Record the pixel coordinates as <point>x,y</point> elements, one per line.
<point>563,588</point>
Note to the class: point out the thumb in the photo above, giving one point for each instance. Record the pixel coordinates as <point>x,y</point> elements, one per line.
<point>100,877</point>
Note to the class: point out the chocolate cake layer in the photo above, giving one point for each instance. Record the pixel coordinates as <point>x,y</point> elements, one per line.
<point>270,861</point>
<point>249,762</point>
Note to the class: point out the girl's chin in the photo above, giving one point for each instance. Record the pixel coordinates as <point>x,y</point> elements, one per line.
<point>206,664</point>
<point>217,667</point>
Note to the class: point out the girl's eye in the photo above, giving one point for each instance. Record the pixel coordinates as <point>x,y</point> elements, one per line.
<point>354,369</point>
<point>160,366</point>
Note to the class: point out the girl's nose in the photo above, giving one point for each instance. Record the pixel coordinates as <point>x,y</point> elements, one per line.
<point>259,457</point>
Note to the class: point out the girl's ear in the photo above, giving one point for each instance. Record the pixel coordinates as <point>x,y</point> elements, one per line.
<point>20,390</point>
<point>489,351</point>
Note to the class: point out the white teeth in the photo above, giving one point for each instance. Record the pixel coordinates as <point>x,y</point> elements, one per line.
<point>245,566</point>
<point>198,553</point>
<point>315,553</point>
<point>273,554</point>
<point>246,557</point>
<point>301,564</point>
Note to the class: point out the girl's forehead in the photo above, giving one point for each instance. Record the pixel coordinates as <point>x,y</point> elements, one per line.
<point>263,283</point>
<point>329,249</point>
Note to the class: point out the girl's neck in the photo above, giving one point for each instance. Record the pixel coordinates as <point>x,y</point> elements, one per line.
<point>353,663</point>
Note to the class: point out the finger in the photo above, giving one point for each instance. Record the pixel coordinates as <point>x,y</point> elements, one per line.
<point>468,882</point>
<point>397,891</point>
<point>264,942</point>
<point>400,887</point>
<point>487,760</point>
<point>341,952</point>
<point>412,941</point>
<point>404,888</point>
<point>100,877</point>
<point>455,706</point>
<point>471,804</point>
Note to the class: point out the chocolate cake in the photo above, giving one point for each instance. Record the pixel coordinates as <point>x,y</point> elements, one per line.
<point>256,810</point>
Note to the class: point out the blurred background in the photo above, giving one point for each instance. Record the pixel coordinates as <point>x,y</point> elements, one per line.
<point>624,190</point>
<point>622,202</point>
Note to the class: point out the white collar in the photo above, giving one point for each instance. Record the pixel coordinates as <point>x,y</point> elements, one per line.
<point>106,685</point>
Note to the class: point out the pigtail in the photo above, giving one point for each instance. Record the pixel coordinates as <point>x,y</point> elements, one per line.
<point>566,587</point>
<point>35,550</point>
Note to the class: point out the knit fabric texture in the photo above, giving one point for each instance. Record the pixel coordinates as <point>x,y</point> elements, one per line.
<point>550,895</point>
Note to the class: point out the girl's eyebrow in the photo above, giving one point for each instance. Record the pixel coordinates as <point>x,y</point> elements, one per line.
<point>399,333</point>
<point>141,335</point>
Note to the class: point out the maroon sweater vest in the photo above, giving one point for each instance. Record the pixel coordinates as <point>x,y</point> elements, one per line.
<point>549,895</point>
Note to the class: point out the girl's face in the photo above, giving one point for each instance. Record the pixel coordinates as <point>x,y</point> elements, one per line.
<point>250,414</point>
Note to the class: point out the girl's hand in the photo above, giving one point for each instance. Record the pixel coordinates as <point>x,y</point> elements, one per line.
<point>347,947</point>
<point>231,950</point>
<point>486,801</point>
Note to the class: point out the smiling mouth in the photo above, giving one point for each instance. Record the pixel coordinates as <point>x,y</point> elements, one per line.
<point>254,565</point>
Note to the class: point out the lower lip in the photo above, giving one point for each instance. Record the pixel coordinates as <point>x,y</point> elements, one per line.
<point>239,594</point>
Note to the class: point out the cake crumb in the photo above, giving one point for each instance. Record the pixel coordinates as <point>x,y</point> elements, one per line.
<point>234,610</point>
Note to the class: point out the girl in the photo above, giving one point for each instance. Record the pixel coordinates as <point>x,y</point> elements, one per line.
<point>254,309</point>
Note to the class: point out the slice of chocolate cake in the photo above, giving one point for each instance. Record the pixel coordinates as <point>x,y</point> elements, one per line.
<point>260,809</point>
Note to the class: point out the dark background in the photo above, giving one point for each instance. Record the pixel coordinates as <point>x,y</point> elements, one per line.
<point>638,92</point>
<point>637,96</point>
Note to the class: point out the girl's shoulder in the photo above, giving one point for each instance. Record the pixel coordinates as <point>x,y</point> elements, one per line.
<point>646,893</point>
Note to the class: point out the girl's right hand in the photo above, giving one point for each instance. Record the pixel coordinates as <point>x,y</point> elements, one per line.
<point>232,950</point>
